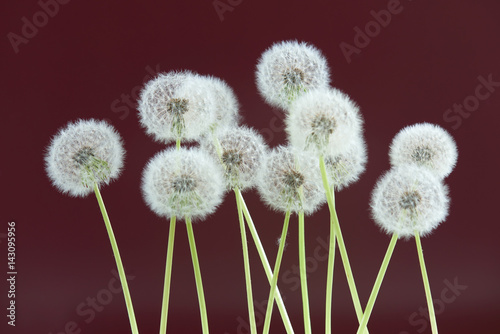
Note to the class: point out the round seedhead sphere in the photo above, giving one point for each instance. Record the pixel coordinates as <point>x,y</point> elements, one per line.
<point>84,153</point>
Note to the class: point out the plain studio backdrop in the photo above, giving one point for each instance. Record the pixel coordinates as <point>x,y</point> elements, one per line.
<point>403,62</point>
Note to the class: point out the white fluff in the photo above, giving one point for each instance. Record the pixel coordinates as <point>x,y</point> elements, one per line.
<point>241,153</point>
<point>177,105</point>
<point>184,182</point>
<point>226,103</point>
<point>288,69</point>
<point>426,145</point>
<point>324,120</point>
<point>291,180</point>
<point>84,152</point>
<point>346,168</point>
<point>408,199</point>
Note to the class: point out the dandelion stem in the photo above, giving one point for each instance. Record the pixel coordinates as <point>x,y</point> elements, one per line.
<point>274,282</point>
<point>265,263</point>
<point>178,144</point>
<point>246,262</point>
<point>303,274</point>
<point>168,276</point>
<point>197,275</point>
<point>119,265</point>
<point>330,196</point>
<point>329,279</point>
<point>378,283</point>
<point>430,305</point>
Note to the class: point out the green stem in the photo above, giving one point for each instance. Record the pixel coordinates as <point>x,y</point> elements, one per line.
<point>265,264</point>
<point>378,283</point>
<point>119,265</point>
<point>330,196</point>
<point>329,279</point>
<point>274,282</point>
<point>246,262</point>
<point>197,275</point>
<point>303,274</point>
<point>178,144</point>
<point>430,304</point>
<point>168,276</point>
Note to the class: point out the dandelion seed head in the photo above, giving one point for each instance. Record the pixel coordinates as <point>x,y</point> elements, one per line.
<point>323,120</point>
<point>291,180</point>
<point>177,105</point>
<point>288,69</point>
<point>242,151</point>
<point>83,153</point>
<point>409,199</point>
<point>345,168</point>
<point>184,182</point>
<point>425,145</point>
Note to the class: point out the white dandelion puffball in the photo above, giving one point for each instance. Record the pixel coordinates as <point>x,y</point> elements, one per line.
<point>346,168</point>
<point>409,199</point>
<point>183,182</point>
<point>176,105</point>
<point>425,145</point>
<point>241,151</point>
<point>323,120</point>
<point>83,153</point>
<point>226,103</point>
<point>288,69</point>
<point>291,180</point>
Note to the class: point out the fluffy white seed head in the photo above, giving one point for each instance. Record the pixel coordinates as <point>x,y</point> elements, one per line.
<point>184,182</point>
<point>241,151</point>
<point>288,69</point>
<point>226,103</point>
<point>83,153</point>
<point>409,199</point>
<point>291,180</point>
<point>177,105</point>
<point>346,168</point>
<point>426,145</point>
<point>323,120</point>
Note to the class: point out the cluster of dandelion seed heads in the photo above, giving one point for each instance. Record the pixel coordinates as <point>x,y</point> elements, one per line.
<point>291,180</point>
<point>323,120</point>
<point>288,69</point>
<point>345,168</point>
<point>83,153</point>
<point>177,105</point>
<point>409,199</point>
<point>425,145</point>
<point>184,182</point>
<point>241,151</point>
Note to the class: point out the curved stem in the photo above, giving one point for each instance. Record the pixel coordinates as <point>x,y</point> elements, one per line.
<point>303,274</point>
<point>378,283</point>
<point>197,276</point>
<point>425,278</point>
<point>329,279</point>
<point>274,282</point>
<point>168,276</point>
<point>246,262</point>
<point>265,264</point>
<point>330,196</point>
<point>119,265</point>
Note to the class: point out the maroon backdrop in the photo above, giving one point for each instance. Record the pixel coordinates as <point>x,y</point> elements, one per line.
<point>402,61</point>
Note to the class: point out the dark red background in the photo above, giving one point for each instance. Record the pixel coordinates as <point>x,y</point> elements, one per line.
<point>91,54</point>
